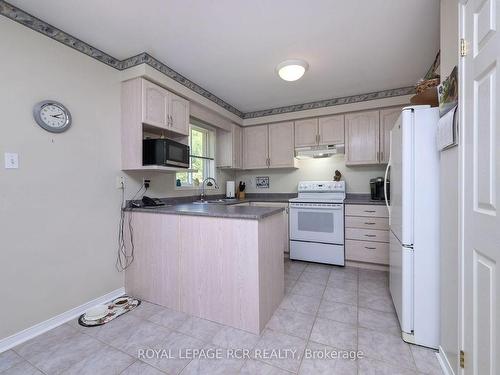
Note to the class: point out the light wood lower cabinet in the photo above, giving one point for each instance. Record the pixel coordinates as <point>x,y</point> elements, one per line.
<point>286,234</point>
<point>229,271</point>
<point>154,273</point>
<point>367,234</point>
<point>366,222</point>
<point>369,252</point>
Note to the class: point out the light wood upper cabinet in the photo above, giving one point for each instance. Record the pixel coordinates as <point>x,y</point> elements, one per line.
<point>155,103</point>
<point>281,145</point>
<point>306,132</point>
<point>164,109</point>
<point>179,114</point>
<point>388,118</point>
<point>237,155</point>
<point>269,146</point>
<point>255,147</point>
<point>362,135</point>
<point>331,130</point>
<point>229,144</point>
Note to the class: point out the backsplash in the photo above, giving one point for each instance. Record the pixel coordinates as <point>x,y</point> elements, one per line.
<point>286,180</point>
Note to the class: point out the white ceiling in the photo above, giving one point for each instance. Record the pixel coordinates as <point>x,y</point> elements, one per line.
<point>231,47</point>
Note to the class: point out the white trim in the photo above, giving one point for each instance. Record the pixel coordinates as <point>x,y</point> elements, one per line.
<point>33,331</point>
<point>443,362</point>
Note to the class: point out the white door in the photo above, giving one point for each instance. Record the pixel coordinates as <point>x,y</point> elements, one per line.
<point>480,123</point>
<point>396,206</point>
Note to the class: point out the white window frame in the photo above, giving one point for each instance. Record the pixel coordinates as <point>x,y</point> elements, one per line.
<point>209,169</point>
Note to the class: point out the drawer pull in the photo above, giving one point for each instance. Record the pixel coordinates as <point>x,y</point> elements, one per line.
<point>370,235</point>
<point>370,248</point>
<point>368,223</point>
<point>370,211</point>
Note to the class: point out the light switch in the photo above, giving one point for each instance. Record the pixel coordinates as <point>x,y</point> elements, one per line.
<point>11,160</point>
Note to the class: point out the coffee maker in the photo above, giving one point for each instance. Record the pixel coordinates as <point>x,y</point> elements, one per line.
<point>377,189</point>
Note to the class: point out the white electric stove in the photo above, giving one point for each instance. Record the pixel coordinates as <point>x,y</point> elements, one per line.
<point>317,222</point>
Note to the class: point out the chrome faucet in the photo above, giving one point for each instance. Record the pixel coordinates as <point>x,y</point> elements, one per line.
<point>209,179</point>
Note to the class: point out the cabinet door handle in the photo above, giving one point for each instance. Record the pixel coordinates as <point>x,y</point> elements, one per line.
<point>381,155</point>
<point>370,235</point>
<point>370,248</point>
<point>370,211</point>
<point>369,223</point>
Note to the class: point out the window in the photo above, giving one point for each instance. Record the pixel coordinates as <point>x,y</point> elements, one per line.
<point>202,158</point>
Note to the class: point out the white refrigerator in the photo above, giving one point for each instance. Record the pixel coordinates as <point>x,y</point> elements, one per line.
<point>414,224</point>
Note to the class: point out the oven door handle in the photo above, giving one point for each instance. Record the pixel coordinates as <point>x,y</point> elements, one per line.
<point>336,208</point>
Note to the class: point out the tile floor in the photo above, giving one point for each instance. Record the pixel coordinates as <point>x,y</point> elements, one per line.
<point>324,308</point>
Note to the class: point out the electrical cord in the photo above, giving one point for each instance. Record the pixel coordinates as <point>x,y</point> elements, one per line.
<point>124,259</point>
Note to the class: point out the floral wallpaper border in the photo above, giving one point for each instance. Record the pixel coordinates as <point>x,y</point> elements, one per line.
<point>26,19</point>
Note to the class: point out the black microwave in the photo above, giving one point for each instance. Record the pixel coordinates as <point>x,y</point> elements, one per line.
<point>165,152</point>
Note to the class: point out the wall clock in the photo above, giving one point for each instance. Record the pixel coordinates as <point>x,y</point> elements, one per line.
<point>52,116</point>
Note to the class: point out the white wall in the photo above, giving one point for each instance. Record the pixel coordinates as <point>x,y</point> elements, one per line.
<point>59,211</point>
<point>449,185</point>
<point>286,180</point>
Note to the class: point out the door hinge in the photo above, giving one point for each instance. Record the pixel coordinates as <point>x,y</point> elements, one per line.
<point>462,359</point>
<point>463,47</point>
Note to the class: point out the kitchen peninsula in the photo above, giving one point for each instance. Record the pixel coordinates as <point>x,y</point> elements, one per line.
<point>215,261</point>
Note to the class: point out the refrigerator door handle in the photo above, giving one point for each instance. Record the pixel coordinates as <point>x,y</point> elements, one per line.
<point>385,190</point>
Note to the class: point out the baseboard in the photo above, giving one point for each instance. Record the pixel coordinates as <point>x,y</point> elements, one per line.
<point>28,333</point>
<point>443,361</point>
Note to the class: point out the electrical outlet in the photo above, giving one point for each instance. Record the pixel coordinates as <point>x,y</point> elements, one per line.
<point>146,182</point>
<point>11,160</point>
<point>120,182</point>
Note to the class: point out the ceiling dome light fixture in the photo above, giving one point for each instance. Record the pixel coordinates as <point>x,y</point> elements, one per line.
<point>292,70</point>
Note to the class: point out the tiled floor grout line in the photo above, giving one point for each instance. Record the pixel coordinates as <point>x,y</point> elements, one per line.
<point>118,349</point>
<point>241,364</point>
<point>291,372</point>
<point>125,369</point>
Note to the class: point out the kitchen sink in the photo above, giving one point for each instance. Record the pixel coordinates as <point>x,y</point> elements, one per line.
<point>216,201</point>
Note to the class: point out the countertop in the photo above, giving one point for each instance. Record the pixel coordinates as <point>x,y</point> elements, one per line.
<point>227,209</point>
<point>356,198</point>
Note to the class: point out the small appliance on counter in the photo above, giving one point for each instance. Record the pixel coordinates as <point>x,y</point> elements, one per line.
<point>230,189</point>
<point>377,189</point>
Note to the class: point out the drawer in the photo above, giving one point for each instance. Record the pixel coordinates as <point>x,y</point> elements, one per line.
<point>367,234</point>
<point>366,251</point>
<point>367,222</point>
<point>366,210</point>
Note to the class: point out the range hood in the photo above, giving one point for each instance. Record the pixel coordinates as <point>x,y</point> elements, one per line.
<point>318,152</point>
